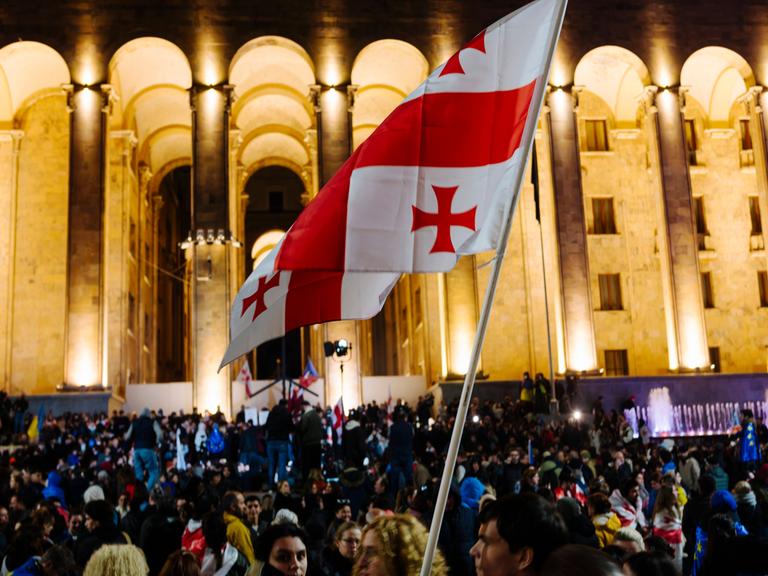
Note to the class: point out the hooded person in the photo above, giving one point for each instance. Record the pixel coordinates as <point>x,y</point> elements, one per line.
<point>471,490</point>
<point>580,529</point>
<point>53,489</point>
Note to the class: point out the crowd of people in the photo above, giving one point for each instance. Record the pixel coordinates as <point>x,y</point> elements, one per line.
<point>303,493</point>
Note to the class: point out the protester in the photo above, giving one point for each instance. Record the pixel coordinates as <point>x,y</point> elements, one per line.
<point>394,546</point>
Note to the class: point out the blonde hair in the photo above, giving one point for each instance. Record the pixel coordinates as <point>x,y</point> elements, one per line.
<point>402,542</point>
<point>117,560</point>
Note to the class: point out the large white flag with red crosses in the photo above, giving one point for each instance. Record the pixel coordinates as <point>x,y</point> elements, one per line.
<point>270,303</point>
<point>437,177</point>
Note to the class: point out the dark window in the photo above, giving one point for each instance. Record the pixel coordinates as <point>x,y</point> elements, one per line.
<point>616,363</point>
<point>603,218</point>
<point>417,312</point>
<point>762,285</point>
<point>596,135</point>
<point>700,221</point>
<point>690,141</point>
<point>746,136</point>
<point>706,290</point>
<point>132,238</point>
<point>131,313</point>
<point>754,215</point>
<point>610,291</point>
<point>714,358</point>
<point>276,201</point>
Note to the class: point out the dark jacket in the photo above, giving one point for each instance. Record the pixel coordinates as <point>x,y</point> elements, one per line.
<point>332,563</point>
<point>279,424</point>
<point>311,428</point>
<point>95,540</point>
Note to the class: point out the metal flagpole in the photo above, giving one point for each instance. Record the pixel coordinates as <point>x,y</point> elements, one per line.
<point>482,324</point>
<point>553,406</point>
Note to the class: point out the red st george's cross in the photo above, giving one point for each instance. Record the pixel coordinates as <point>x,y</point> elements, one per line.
<point>258,296</point>
<point>443,219</point>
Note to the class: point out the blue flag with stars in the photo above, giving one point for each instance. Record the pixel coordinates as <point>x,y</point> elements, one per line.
<point>750,447</point>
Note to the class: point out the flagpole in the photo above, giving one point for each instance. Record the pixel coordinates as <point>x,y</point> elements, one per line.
<point>482,324</point>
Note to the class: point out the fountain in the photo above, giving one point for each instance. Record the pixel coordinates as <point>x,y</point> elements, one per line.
<point>706,419</point>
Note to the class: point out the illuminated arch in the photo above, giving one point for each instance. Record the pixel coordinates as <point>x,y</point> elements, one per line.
<point>616,76</point>
<point>151,78</point>
<point>385,72</point>
<point>27,70</point>
<point>715,77</point>
<point>273,78</point>
<point>263,244</point>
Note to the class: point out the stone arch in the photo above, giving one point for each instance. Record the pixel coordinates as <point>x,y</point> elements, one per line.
<point>616,77</point>
<point>263,244</point>
<point>714,78</point>
<point>385,72</point>
<point>151,78</point>
<point>273,78</point>
<point>28,69</point>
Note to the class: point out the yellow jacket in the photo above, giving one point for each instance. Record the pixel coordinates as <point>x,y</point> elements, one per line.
<point>606,526</point>
<point>239,536</point>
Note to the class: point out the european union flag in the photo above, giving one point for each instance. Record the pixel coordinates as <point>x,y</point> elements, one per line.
<point>750,451</point>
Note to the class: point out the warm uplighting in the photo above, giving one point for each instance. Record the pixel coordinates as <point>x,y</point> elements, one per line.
<point>84,370</point>
<point>577,415</point>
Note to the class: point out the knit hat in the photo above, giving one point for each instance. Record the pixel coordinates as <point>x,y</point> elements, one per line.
<point>722,501</point>
<point>93,493</point>
<point>742,488</point>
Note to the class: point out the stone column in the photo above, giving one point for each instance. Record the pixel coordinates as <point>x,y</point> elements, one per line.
<point>579,328</point>
<point>85,250</point>
<point>10,140</point>
<point>334,147</point>
<point>756,101</point>
<point>460,296</point>
<point>678,249</point>
<point>209,258</point>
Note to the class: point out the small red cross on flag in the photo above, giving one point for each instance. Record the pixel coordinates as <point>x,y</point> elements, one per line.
<point>443,219</point>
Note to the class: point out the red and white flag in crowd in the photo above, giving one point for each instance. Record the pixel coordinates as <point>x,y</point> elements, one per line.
<point>337,418</point>
<point>271,303</point>
<point>437,177</point>
<point>246,378</point>
<point>390,408</point>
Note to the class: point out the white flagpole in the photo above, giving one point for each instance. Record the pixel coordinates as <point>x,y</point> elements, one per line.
<point>482,324</point>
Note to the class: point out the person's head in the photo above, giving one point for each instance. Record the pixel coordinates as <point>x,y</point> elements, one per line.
<point>253,508</point>
<point>629,490</point>
<point>117,560</point>
<point>233,502</point>
<point>531,477</point>
<point>284,488</point>
<point>514,456</point>
<point>394,546</point>
<point>576,560</point>
<point>630,540</point>
<point>284,548</point>
<point>180,563</point>
<point>516,535</point>
<point>666,499</point>
<point>98,514</point>
<point>343,510</point>
<point>598,504</point>
<point>4,517</point>
<point>58,561</point>
<point>649,564</point>
<point>347,540</point>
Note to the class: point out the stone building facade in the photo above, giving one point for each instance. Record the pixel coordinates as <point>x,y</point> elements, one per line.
<point>150,153</point>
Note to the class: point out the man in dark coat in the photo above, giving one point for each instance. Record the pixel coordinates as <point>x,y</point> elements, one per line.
<point>311,435</point>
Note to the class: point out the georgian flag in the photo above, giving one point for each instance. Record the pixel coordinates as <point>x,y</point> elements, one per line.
<point>437,177</point>
<point>337,418</point>
<point>245,378</point>
<point>270,303</point>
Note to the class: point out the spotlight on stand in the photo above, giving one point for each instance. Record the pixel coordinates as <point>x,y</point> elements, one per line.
<point>339,348</point>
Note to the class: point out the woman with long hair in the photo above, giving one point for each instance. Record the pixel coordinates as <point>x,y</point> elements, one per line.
<point>339,556</point>
<point>668,521</point>
<point>117,560</point>
<point>394,546</point>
